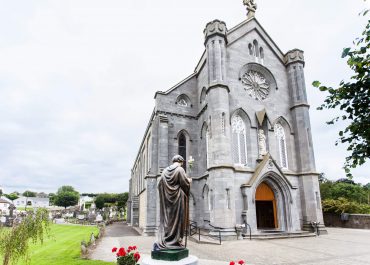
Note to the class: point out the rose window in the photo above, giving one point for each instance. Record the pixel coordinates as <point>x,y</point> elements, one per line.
<point>256,85</point>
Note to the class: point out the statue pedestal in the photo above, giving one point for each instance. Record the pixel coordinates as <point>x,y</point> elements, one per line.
<point>170,257</point>
<point>191,260</point>
<point>170,254</point>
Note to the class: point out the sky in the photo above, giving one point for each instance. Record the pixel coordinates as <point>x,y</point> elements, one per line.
<point>78,78</point>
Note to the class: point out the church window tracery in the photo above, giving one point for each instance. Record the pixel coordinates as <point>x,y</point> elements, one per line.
<point>239,140</point>
<point>183,101</point>
<point>281,141</point>
<point>256,84</point>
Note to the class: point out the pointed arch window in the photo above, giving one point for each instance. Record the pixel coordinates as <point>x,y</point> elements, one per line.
<point>203,95</point>
<point>239,140</point>
<point>207,147</point>
<point>182,148</point>
<point>281,141</point>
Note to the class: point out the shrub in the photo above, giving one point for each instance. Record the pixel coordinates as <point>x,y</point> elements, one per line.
<point>343,205</point>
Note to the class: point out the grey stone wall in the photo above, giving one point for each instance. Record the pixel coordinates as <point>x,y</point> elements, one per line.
<point>360,221</point>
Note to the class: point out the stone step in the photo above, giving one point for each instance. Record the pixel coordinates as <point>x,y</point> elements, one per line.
<point>280,235</point>
<point>204,240</point>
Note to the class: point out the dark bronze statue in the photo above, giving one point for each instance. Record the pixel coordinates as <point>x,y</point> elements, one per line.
<point>174,188</point>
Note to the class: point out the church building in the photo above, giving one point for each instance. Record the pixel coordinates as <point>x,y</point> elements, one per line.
<point>243,117</point>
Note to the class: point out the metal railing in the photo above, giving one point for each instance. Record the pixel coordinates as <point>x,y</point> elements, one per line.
<point>195,230</point>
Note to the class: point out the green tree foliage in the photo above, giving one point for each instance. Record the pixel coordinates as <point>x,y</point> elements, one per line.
<point>344,196</point>
<point>29,193</point>
<point>111,199</point>
<point>122,199</point>
<point>52,197</point>
<point>343,188</point>
<point>353,99</point>
<point>355,193</point>
<point>66,189</point>
<point>11,196</point>
<point>343,205</point>
<point>66,196</point>
<point>99,202</point>
<point>14,244</point>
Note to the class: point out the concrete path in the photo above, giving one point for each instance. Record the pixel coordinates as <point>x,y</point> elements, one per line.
<point>340,246</point>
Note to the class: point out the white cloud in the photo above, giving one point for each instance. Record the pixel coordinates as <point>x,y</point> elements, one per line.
<point>77,79</point>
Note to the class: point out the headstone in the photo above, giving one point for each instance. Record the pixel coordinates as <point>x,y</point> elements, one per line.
<point>60,221</point>
<point>81,217</point>
<point>83,248</point>
<point>3,219</point>
<point>91,217</point>
<point>99,218</point>
<point>11,210</point>
<point>92,239</point>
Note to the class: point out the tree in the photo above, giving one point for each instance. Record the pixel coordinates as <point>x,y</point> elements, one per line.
<point>28,193</point>
<point>353,99</point>
<point>52,197</point>
<point>42,195</point>
<point>66,189</point>
<point>122,200</point>
<point>11,196</point>
<point>66,196</point>
<point>14,244</point>
<point>99,201</point>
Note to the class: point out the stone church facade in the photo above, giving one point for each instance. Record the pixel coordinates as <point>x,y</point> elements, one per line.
<point>243,116</point>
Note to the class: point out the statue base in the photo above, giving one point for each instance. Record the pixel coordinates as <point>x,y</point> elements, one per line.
<point>170,254</point>
<point>190,260</point>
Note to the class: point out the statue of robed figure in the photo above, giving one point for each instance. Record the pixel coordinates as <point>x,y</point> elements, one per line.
<point>174,188</point>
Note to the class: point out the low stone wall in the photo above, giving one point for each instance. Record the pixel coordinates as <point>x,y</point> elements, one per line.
<point>361,221</point>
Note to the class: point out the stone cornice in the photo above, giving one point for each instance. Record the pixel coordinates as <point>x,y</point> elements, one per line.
<point>300,105</point>
<point>294,56</point>
<point>161,112</point>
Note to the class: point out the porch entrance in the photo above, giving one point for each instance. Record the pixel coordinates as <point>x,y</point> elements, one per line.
<point>266,211</point>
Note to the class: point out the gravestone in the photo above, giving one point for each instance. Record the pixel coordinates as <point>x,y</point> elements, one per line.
<point>91,217</point>
<point>92,239</point>
<point>59,221</point>
<point>81,217</point>
<point>99,218</point>
<point>3,219</point>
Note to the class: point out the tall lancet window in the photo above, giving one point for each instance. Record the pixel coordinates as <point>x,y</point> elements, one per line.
<point>281,141</point>
<point>239,144</point>
<point>207,147</point>
<point>182,148</point>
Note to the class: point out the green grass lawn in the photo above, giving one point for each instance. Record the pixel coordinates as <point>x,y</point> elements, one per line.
<point>63,247</point>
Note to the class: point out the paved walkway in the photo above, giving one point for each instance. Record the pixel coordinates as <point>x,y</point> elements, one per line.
<point>340,246</point>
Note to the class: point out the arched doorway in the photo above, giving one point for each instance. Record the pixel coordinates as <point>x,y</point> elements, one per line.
<point>266,207</point>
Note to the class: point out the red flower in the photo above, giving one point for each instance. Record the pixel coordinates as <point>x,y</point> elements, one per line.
<point>134,247</point>
<point>241,262</point>
<point>137,256</point>
<point>114,249</point>
<point>232,263</point>
<point>121,252</point>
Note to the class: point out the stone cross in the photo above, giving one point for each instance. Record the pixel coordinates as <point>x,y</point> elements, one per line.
<point>251,7</point>
<point>11,209</point>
